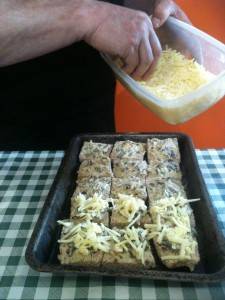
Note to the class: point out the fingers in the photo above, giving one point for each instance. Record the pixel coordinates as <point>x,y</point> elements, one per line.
<point>180,15</point>
<point>131,61</point>
<point>145,59</point>
<point>144,51</point>
<point>164,9</point>
<point>156,50</point>
<point>140,64</point>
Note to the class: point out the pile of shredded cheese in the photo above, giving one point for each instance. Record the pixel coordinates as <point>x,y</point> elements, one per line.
<point>135,240</point>
<point>176,76</point>
<point>129,207</point>
<point>88,236</point>
<point>171,225</point>
<point>89,208</point>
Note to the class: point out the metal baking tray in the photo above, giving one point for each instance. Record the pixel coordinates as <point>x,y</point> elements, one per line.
<point>42,250</point>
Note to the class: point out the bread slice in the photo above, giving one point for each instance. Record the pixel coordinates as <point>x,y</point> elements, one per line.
<point>162,188</point>
<point>164,169</point>
<point>189,263</point>
<point>128,150</point>
<point>163,149</point>
<point>89,186</point>
<point>133,186</point>
<point>83,244</point>
<point>93,208</point>
<point>92,151</point>
<point>71,256</point>
<point>126,258</point>
<point>128,210</point>
<point>95,168</point>
<point>172,233</point>
<point>129,168</point>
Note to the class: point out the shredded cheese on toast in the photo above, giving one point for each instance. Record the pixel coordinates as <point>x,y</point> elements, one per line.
<point>133,240</point>
<point>88,237</point>
<point>129,207</point>
<point>89,208</point>
<point>171,227</point>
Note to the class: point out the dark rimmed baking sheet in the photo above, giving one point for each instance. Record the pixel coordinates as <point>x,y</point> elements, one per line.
<point>42,250</point>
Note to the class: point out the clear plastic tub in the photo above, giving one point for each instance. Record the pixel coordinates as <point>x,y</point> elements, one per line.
<point>191,42</point>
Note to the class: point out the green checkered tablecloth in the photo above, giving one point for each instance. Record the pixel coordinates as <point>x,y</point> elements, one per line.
<point>25,179</point>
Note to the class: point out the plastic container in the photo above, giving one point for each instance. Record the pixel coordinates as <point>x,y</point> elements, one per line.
<point>193,43</point>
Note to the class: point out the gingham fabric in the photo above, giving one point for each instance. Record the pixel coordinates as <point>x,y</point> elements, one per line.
<point>25,179</point>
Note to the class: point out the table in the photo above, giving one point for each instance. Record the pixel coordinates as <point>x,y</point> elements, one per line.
<point>25,179</point>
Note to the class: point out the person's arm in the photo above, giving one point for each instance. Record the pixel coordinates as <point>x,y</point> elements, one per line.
<point>32,28</point>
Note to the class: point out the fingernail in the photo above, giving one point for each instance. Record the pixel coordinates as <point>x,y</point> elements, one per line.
<point>155,22</point>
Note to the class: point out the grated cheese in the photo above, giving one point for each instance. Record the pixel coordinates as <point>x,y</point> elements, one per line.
<point>89,208</point>
<point>171,224</point>
<point>133,240</point>
<point>175,76</point>
<point>129,207</point>
<point>88,236</point>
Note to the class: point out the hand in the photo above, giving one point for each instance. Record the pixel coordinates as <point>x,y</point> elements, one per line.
<point>124,33</point>
<point>191,48</point>
<point>165,8</point>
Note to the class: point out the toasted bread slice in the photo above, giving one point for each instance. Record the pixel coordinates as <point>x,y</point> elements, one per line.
<point>174,263</point>
<point>127,257</point>
<point>89,186</point>
<point>133,186</point>
<point>128,150</point>
<point>162,149</point>
<point>162,188</point>
<point>93,209</point>
<point>70,256</point>
<point>127,168</point>
<point>165,169</point>
<point>173,234</point>
<point>93,151</point>
<point>83,244</point>
<point>95,168</point>
<point>128,210</point>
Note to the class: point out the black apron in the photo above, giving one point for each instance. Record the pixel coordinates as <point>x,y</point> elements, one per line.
<point>47,100</point>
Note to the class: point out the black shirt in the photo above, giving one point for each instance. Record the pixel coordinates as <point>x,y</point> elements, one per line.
<point>47,100</point>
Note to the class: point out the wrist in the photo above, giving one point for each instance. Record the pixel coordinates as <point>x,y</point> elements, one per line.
<point>79,18</point>
<point>93,14</point>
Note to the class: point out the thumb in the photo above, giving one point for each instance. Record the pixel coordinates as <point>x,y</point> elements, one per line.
<point>161,13</point>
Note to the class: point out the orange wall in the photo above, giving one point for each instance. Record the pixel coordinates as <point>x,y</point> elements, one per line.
<point>206,130</point>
